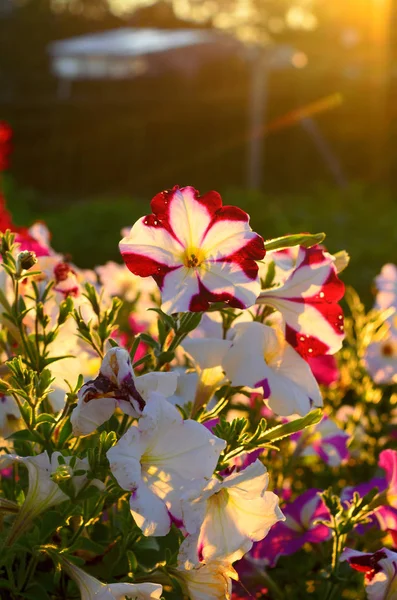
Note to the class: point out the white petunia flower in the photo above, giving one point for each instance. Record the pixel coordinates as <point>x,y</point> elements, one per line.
<point>161,458</point>
<point>207,355</point>
<point>117,386</point>
<point>9,416</point>
<point>380,360</point>
<point>225,520</point>
<point>211,581</point>
<point>93,589</point>
<point>43,492</point>
<point>260,358</point>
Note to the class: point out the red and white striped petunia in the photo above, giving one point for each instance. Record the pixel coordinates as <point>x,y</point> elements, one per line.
<point>308,302</point>
<point>196,250</point>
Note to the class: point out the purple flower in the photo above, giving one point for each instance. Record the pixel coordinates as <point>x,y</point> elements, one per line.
<point>299,528</point>
<point>325,440</point>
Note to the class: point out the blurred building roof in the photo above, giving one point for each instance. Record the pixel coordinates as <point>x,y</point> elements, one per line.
<point>131,41</point>
<point>121,52</point>
<point>128,52</point>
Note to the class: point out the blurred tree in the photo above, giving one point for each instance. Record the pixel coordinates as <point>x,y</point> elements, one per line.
<point>252,21</point>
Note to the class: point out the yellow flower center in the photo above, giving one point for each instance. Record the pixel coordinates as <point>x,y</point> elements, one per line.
<point>193,257</point>
<point>389,350</point>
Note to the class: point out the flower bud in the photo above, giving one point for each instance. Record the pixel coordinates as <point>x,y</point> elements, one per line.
<point>25,260</point>
<point>62,473</point>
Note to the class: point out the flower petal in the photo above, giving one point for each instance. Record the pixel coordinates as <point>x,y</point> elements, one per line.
<point>149,511</point>
<point>149,249</point>
<point>308,302</point>
<point>87,416</point>
<point>224,282</point>
<point>178,289</point>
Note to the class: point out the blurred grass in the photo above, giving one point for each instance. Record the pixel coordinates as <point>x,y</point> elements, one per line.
<point>359,219</point>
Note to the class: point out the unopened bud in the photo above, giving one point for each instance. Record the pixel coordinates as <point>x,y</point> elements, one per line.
<point>62,473</point>
<point>25,260</point>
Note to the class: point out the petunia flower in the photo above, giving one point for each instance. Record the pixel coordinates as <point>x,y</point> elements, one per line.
<point>43,492</point>
<point>117,386</point>
<point>298,528</point>
<point>308,301</point>
<point>196,250</point>
<point>228,517</point>
<point>325,369</point>
<point>93,589</point>
<point>9,416</point>
<point>325,440</point>
<point>387,514</point>
<point>159,459</point>
<point>118,281</point>
<point>380,360</point>
<point>380,571</point>
<point>207,355</point>
<point>386,297</point>
<point>209,581</point>
<point>259,357</point>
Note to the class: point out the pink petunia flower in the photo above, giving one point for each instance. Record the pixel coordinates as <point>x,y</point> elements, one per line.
<point>308,302</point>
<point>325,369</point>
<point>196,250</point>
<point>299,527</point>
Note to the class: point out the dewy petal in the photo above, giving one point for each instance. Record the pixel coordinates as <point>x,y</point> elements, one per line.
<point>308,302</point>
<point>239,512</point>
<point>149,249</point>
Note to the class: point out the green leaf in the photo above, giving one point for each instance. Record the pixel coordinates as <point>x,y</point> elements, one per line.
<point>53,359</point>
<point>190,321</point>
<point>64,433</point>
<point>132,561</point>
<point>148,340</point>
<point>113,343</point>
<point>88,545</point>
<point>287,429</point>
<point>165,318</point>
<point>45,418</point>
<point>298,239</point>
